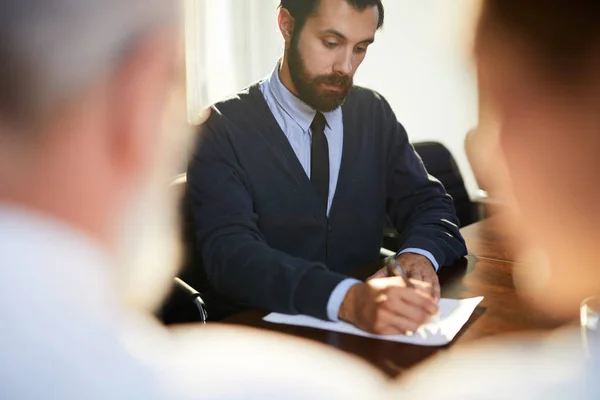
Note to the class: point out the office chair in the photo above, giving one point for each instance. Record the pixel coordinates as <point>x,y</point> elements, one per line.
<point>441,164</point>
<point>196,298</point>
<point>178,307</point>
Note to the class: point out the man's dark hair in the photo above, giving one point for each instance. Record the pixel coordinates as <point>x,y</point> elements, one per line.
<point>300,10</point>
<point>564,35</point>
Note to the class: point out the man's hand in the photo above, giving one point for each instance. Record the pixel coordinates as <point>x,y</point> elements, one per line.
<point>418,268</point>
<point>387,306</point>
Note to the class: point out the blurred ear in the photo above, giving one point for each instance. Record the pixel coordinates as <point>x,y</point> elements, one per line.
<point>139,95</point>
<point>286,26</point>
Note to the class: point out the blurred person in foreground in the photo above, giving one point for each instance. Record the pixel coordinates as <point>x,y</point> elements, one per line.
<point>87,242</point>
<point>539,71</point>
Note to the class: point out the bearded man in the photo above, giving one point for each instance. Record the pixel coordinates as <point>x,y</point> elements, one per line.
<point>294,178</point>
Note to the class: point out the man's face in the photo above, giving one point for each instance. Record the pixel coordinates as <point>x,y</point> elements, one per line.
<point>325,54</point>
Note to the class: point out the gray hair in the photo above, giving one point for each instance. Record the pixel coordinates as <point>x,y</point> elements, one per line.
<point>52,49</point>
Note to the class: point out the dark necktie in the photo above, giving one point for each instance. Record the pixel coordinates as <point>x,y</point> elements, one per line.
<point>319,159</point>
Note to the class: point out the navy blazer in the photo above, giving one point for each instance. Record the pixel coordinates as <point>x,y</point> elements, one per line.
<point>263,235</point>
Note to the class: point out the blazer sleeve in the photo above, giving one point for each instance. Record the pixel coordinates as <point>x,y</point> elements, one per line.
<point>417,203</point>
<point>238,261</point>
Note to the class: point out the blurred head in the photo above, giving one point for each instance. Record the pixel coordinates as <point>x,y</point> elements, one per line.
<point>326,41</point>
<point>83,90</point>
<point>539,70</point>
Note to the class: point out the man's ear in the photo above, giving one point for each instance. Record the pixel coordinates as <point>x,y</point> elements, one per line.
<point>139,94</point>
<point>286,26</point>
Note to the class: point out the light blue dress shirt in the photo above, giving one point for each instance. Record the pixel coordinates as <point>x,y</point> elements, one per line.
<point>295,117</point>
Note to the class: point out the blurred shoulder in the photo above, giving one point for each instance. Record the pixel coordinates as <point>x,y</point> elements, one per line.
<point>288,367</point>
<point>532,368</point>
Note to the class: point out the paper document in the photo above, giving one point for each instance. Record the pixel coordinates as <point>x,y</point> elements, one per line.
<point>438,332</point>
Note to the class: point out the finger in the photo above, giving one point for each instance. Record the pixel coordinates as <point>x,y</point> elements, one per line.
<point>407,311</point>
<point>432,278</point>
<point>412,273</point>
<point>403,325</point>
<point>416,310</point>
<point>430,281</point>
<point>436,289</point>
<point>418,276</point>
<point>382,273</point>
<point>399,282</point>
<point>389,323</point>
<point>422,286</point>
<point>419,298</point>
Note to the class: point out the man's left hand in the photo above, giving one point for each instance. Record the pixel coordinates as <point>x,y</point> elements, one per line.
<point>416,267</point>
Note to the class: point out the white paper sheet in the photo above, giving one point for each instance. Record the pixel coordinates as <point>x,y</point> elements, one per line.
<point>438,332</point>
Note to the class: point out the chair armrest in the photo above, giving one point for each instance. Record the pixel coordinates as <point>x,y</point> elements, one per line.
<point>196,298</point>
<point>488,206</point>
<point>386,253</point>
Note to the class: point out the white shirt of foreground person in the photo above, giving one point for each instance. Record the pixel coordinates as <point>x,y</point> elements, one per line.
<point>64,335</point>
<point>515,368</point>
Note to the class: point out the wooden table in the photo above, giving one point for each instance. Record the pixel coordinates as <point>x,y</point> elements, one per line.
<point>487,271</point>
<point>486,240</point>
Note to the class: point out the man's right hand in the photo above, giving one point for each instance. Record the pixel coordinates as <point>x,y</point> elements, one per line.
<point>387,306</point>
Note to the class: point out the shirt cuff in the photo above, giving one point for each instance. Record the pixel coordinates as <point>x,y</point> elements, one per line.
<point>337,298</point>
<point>421,252</point>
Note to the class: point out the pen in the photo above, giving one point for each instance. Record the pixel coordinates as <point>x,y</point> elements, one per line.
<point>395,269</point>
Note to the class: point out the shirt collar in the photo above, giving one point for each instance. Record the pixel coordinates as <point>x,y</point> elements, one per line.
<point>298,111</point>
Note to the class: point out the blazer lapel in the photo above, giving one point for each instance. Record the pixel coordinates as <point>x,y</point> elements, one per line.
<point>350,150</point>
<point>279,144</point>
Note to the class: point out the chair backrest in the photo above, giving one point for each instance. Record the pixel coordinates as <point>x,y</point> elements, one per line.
<point>440,163</point>
<point>472,152</point>
<point>186,219</point>
<point>178,308</point>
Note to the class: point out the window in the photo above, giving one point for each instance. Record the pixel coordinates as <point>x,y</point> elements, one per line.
<point>229,45</point>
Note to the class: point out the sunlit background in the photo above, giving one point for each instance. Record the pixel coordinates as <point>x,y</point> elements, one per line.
<point>420,62</point>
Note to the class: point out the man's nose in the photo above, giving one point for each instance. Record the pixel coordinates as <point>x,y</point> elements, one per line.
<point>343,64</point>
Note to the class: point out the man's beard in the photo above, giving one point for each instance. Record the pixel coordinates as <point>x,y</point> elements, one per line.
<point>308,87</point>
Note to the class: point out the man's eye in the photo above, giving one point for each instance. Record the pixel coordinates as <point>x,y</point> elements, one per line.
<point>330,45</point>
<point>360,50</point>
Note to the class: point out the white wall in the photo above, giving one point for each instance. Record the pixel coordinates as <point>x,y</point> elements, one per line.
<point>260,44</point>
<point>420,64</point>
<point>229,45</point>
